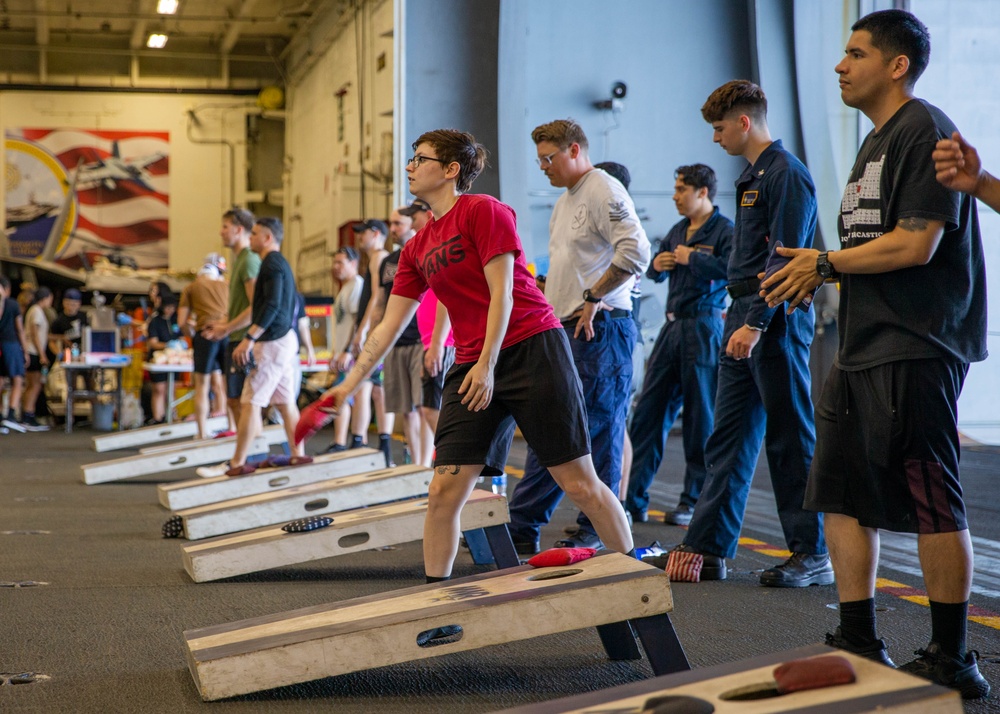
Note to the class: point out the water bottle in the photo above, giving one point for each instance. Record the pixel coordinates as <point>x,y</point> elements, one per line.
<point>499,485</point>
<point>74,353</point>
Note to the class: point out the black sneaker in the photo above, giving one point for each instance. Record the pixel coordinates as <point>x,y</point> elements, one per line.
<point>334,449</point>
<point>581,539</point>
<point>526,547</point>
<point>31,423</point>
<point>14,425</point>
<point>941,668</point>
<point>875,651</point>
<point>680,516</point>
<point>799,571</point>
<point>713,567</point>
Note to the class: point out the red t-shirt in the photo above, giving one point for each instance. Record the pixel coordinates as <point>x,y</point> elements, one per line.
<point>448,256</point>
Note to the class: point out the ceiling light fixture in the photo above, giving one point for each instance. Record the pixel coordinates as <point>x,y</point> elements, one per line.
<point>167,7</point>
<point>156,41</point>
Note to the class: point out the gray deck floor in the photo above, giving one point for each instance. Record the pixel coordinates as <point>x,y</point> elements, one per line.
<point>106,625</point>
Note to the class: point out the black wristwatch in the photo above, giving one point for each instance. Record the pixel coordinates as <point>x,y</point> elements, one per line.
<point>587,297</point>
<point>825,268</point>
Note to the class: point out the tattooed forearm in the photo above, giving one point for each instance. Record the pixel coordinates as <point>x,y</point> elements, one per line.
<point>368,359</point>
<point>613,277</point>
<point>912,224</point>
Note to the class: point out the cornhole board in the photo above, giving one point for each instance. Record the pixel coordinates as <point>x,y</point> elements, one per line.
<point>178,456</point>
<point>607,592</point>
<point>154,434</point>
<point>312,499</point>
<point>351,531</point>
<point>202,491</point>
<point>878,689</point>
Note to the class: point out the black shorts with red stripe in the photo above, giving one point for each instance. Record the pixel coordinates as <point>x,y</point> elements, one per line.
<point>887,447</point>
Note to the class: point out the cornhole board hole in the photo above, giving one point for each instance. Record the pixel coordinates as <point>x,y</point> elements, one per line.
<point>134,438</point>
<point>877,689</point>
<point>178,456</point>
<point>312,499</point>
<point>609,592</point>
<point>351,531</point>
<point>202,491</point>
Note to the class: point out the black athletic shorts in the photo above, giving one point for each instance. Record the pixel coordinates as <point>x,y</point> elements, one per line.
<point>432,388</point>
<point>209,355</point>
<point>887,447</point>
<point>34,364</point>
<point>235,376</point>
<point>535,386</point>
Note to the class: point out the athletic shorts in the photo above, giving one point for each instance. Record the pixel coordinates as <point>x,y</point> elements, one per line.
<point>157,377</point>
<point>34,363</point>
<point>536,387</point>
<point>11,359</point>
<point>433,387</point>
<point>209,355</point>
<point>235,376</point>
<point>887,447</point>
<point>272,381</point>
<point>404,367</point>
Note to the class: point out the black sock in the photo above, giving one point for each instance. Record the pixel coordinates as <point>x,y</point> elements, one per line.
<point>857,621</point>
<point>383,439</point>
<point>433,579</point>
<point>949,623</point>
<point>356,441</point>
<point>631,553</point>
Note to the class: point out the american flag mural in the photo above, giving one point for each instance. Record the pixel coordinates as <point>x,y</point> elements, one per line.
<point>76,194</point>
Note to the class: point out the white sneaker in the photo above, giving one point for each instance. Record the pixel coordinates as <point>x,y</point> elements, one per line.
<point>213,471</point>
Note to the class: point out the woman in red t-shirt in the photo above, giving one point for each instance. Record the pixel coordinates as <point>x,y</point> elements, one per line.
<point>513,362</point>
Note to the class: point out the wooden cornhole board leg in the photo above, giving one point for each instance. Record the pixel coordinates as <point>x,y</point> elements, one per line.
<point>492,545</point>
<point>179,495</point>
<point>351,532</point>
<point>877,689</point>
<point>363,633</point>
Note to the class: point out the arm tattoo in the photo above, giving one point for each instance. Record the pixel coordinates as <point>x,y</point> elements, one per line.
<point>613,277</point>
<point>367,359</point>
<point>453,470</point>
<point>912,224</point>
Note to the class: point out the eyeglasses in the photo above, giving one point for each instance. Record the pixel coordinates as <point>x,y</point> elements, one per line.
<point>544,161</point>
<point>418,159</point>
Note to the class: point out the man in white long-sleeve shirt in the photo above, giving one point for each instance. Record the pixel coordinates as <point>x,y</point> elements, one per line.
<point>596,248</point>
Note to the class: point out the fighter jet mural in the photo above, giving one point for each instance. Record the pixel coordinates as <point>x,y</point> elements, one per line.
<point>75,195</point>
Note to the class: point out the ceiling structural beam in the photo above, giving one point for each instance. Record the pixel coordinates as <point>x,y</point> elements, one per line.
<point>41,24</point>
<point>242,12</point>
<point>138,39</point>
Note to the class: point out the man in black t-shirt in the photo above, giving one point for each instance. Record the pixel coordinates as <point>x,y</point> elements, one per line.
<point>912,318</point>
<point>269,347</point>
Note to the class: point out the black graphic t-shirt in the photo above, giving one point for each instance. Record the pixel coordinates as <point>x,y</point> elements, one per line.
<point>936,310</point>
<point>386,277</point>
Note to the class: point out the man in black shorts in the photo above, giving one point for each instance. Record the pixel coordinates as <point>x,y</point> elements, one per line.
<point>516,369</point>
<point>912,318</point>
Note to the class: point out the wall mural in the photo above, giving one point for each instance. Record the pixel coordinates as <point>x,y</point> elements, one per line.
<point>74,195</point>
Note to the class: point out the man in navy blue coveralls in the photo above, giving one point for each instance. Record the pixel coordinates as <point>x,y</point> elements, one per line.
<point>683,366</point>
<point>764,381</point>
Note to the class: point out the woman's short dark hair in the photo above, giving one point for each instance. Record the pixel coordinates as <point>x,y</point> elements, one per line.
<point>460,147</point>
